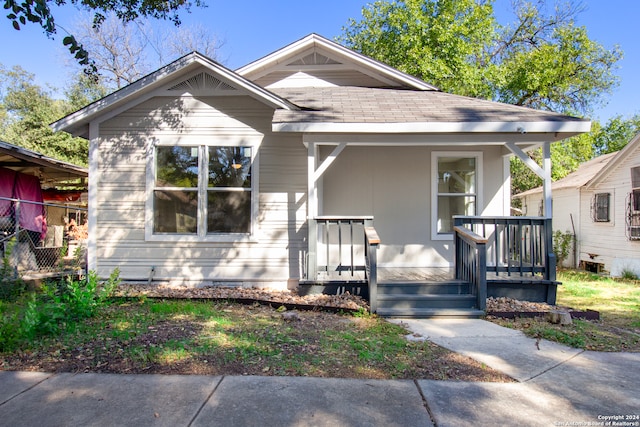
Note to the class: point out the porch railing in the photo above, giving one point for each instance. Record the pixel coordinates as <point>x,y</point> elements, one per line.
<point>35,239</point>
<point>470,262</point>
<point>339,251</point>
<point>515,245</point>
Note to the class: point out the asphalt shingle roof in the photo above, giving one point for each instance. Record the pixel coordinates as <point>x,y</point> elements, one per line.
<point>581,176</point>
<point>349,104</point>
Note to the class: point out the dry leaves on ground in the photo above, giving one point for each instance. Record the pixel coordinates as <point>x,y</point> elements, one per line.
<point>344,301</point>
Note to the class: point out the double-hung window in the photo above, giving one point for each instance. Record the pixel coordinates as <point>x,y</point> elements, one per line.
<point>456,182</point>
<point>202,191</point>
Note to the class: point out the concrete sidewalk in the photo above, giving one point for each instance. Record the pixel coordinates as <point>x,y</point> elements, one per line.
<point>558,386</point>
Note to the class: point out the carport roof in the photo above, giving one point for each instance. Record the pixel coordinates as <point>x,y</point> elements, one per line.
<point>52,172</point>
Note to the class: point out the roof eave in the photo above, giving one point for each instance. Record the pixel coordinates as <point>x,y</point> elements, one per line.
<point>622,154</point>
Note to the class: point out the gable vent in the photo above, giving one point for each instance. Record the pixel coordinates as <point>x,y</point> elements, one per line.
<point>314,59</point>
<point>202,82</point>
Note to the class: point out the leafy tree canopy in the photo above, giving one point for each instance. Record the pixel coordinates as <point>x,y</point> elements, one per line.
<point>540,60</point>
<point>26,110</point>
<point>21,12</point>
<point>567,155</point>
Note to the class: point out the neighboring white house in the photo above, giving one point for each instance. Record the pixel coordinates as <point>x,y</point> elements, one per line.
<point>204,174</point>
<point>600,204</point>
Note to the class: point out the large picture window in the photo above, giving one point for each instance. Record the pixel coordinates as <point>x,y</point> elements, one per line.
<point>202,190</point>
<point>456,183</point>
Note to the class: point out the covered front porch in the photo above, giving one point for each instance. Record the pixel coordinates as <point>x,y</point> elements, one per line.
<point>425,232</point>
<point>386,209</point>
<point>494,256</point>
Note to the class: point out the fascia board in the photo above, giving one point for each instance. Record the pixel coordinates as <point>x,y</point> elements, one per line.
<point>519,128</point>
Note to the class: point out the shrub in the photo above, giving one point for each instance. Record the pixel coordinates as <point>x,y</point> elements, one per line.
<point>60,305</point>
<point>628,274</point>
<point>562,243</point>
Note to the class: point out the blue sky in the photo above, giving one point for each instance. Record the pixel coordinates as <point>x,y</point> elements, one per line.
<point>253,28</point>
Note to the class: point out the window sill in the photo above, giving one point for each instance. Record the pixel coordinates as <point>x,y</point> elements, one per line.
<point>220,238</point>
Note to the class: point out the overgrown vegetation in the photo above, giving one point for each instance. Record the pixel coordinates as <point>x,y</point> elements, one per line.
<point>617,301</point>
<point>562,244</point>
<point>11,285</point>
<point>58,307</point>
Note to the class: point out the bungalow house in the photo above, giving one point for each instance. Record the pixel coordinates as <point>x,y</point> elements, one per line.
<point>599,203</point>
<point>294,168</point>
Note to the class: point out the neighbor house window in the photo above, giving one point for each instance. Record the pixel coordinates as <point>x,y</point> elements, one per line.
<point>600,207</point>
<point>457,182</point>
<point>635,187</point>
<point>633,206</point>
<point>202,190</point>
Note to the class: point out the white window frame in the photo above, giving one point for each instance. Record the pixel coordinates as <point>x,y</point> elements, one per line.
<point>435,155</point>
<point>203,144</point>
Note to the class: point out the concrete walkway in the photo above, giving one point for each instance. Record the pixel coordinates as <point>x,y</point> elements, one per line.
<point>558,386</point>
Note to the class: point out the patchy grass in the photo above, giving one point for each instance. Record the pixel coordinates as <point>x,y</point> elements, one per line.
<point>617,300</point>
<point>224,338</point>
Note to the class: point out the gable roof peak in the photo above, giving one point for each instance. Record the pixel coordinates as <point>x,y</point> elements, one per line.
<point>77,122</point>
<point>335,52</point>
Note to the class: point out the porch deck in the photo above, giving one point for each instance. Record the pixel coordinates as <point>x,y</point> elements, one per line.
<point>422,274</point>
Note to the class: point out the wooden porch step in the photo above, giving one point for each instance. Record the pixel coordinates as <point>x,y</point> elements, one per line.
<point>426,313</point>
<point>449,287</point>
<point>414,301</point>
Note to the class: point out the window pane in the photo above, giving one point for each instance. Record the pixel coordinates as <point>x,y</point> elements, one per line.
<point>175,212</point>
<point>229,212</point>
<point>635,200</point>
<point>230,167</point>
<point>457,175</point>
<point>448,206</point>
<point>177,167</point>
<point>602,207</point>
<point>635,177</point>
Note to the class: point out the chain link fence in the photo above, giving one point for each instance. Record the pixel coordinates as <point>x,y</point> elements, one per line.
<point>42,237</point>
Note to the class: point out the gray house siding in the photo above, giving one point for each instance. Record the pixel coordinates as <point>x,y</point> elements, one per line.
<point>276,250</point>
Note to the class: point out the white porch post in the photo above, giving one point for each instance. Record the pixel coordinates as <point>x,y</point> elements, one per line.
<point>543,172</point>
<point>546,166</point>
<point>314,173</point>
<point>312,212</point>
